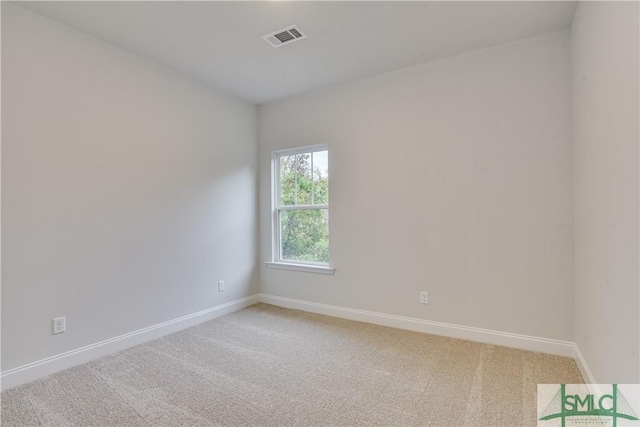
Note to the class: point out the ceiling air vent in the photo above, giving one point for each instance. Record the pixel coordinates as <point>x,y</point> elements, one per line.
<point>285,36</point>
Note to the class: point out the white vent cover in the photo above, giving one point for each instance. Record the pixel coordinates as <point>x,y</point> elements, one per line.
<point>285,36</point>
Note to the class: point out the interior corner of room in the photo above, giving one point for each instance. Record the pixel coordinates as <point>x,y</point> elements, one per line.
<point>493,174</point>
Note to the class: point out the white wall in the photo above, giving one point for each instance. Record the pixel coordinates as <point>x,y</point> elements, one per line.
<point>453,177</point>
<point>128,191</point>
<point>606,134</point>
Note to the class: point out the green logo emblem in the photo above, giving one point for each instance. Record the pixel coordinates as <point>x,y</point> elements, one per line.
<point>613,406</point>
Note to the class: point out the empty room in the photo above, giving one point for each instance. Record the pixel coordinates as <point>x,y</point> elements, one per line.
<point>309,213</point>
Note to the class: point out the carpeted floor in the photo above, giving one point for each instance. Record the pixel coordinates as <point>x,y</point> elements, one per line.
<point>271,366</point>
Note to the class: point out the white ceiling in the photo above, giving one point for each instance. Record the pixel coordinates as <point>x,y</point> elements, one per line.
<point>220,42</point>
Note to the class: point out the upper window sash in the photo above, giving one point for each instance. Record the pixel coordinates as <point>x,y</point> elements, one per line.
<point>276,156</point>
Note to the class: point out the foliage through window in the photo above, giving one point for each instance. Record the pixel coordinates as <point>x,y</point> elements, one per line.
<point>301,205</point>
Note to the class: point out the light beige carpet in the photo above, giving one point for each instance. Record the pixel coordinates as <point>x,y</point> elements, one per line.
<point>270,366</point>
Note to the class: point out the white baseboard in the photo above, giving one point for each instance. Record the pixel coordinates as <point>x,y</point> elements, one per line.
<point>587,376</point>
<point>32,371</point>
<point>506,339</point>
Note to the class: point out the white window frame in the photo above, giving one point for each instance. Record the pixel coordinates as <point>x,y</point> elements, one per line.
<point>276,208</point>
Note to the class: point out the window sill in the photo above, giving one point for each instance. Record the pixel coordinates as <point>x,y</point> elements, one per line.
<point>301,267</point>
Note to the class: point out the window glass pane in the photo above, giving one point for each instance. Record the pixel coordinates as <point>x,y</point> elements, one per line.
<point>303,178</point>
<point>304,235</point>
<point>287,180</point>
<point>321,178</point>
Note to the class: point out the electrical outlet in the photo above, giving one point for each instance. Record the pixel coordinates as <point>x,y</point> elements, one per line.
<point>424,297</point>
<point>221,286</point>
<point>59,325</point>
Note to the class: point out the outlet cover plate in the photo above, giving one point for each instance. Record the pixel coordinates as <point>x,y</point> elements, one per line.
<point>59,325</point>
<point>424,297</point>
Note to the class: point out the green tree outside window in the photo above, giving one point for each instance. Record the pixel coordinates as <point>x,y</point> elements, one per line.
<point>304,184</point>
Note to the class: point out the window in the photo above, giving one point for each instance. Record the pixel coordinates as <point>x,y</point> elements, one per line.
<point>301,208</point>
